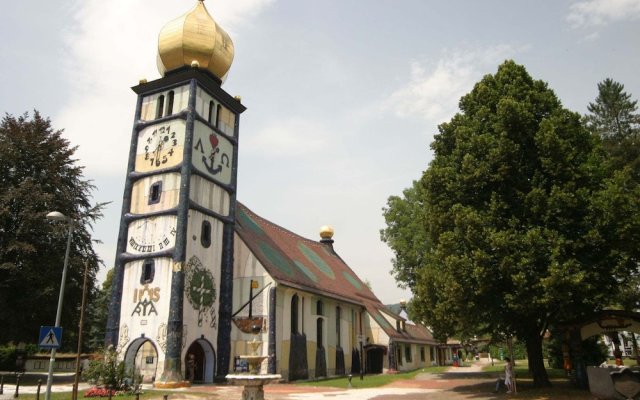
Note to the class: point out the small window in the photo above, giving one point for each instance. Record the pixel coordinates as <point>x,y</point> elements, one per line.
<point>294,314</point>
<point>218,109</point>
<point>148,271</point>
<point>205,234</point>
<point>407,353</point>
<point>160,106</point>
<point>154,192</point>
<point>422,353</point>
<point>338,317</point>
<point>319,307</point>
<point>170,102</point>
<point>399,355</point>
<point>319,329</point>
<point>211,108</point>
<point>149,360</point>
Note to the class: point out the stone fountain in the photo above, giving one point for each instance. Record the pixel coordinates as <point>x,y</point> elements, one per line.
<point>253,381</point>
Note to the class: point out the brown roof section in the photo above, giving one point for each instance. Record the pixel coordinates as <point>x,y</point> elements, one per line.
<point>299,262</point>
<point>411,334</point>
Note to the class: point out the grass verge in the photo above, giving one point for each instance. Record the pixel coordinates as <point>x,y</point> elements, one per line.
<point>370,381</point>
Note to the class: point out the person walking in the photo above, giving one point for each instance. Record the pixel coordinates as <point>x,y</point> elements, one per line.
<point>508,375</point>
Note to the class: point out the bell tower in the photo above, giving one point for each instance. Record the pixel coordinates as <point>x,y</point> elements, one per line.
<point>171,299</point>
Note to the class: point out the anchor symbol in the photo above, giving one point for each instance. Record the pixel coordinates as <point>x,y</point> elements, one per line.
<point>209,161</point>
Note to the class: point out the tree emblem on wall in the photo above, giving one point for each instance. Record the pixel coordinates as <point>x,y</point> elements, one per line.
<point>201,291</point>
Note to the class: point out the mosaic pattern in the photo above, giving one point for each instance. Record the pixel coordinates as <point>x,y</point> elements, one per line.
<point>248,222</point>
<point>276,258</point>
<point>201,291</point>
<point>306,271</point>
<point>356,283</point>
<point>316,260</point>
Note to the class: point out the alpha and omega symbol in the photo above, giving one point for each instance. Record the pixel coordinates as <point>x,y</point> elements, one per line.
<point>213,158</point>
<point>145,299</point>
<point>201,291</point>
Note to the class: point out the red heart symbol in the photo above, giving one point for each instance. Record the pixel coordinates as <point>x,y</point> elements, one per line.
<point>213,139</point>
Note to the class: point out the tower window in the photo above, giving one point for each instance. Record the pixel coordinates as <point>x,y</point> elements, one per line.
<point>154,192</point>
<point>148,271</point>
<point>170,102</point>
<point>319,307</point>
<point>160,106</point>
<point>210,116</point>
<point>205,234</point>
<point>218,108</point>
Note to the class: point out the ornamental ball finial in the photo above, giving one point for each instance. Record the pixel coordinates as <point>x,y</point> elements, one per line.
<point>326,232</point>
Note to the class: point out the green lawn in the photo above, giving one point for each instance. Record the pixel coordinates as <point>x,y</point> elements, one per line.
<point>370,381</point>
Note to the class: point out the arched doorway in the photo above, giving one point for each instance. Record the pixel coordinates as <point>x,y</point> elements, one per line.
<point>142,357</point>
<point>204,362</point>
<point>374,358</point>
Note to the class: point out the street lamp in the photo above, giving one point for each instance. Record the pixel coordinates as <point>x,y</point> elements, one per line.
<point>58,216</point>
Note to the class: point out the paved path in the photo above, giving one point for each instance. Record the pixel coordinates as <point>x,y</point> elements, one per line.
<point>458,383</point>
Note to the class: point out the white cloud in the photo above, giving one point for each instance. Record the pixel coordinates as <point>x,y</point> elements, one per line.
<point>292,137</point>
<point>108,48</point>
<point>596,13</point>
<point>433,93</point>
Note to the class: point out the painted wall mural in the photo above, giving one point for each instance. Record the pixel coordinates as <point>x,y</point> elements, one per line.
<point>201,291</point>
<point>212,153</point>
<point>145,299</point>
<point>150,235</point>
<point>160,146</point>
<point>123,339</point>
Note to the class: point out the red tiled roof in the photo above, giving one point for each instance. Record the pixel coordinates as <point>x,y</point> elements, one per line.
<point>315,267</point>
<point>299,262</point>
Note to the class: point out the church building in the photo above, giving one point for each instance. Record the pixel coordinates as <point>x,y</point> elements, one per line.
<point>198,274</point>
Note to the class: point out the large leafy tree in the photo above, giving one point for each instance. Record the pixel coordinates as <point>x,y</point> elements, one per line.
<point>511,232</point>
<point>38,174</point>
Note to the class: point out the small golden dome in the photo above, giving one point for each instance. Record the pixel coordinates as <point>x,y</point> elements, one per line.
<point>195,40</point>
<point>326,232</point>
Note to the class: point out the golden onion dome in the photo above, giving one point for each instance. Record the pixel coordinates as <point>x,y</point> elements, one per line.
<point>195,40</point>
<point>326,232</point>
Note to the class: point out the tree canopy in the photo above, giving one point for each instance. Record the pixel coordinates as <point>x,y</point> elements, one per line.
<point>38,175</point>
<point>506,231</point>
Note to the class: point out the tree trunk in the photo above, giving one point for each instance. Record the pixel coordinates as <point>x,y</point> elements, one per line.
<point>536,361</point>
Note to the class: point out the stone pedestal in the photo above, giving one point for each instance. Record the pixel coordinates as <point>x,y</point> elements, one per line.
<point>253,384</point>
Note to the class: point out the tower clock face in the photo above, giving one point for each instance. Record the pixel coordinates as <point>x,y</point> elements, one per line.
<point>212,154</point>
<point>160,146</point>
<point>150,235</point>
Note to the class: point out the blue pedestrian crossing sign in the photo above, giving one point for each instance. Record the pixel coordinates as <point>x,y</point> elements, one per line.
<point>50,337</point>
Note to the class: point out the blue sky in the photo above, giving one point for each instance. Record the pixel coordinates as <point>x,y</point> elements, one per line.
<point>343,96</point>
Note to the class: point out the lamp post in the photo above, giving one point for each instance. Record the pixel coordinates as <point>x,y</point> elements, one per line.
<point>58,216</point>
